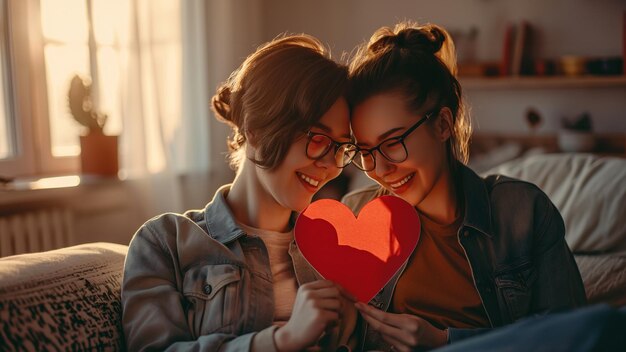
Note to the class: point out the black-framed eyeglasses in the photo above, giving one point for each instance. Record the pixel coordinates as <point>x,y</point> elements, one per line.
<point>318,145</point>
<point>392,149</point>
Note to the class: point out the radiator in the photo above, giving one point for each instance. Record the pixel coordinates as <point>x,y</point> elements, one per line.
<point>36,231</point>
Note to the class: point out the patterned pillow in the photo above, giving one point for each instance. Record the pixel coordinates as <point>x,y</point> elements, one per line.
<point>61,300</point>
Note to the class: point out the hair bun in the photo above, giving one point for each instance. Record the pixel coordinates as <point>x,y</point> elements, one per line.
<point>221,103</point>
<point>421,39</point>
<point>385,42</point>
<point>428,39</point>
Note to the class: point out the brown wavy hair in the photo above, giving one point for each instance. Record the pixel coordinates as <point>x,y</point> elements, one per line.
<point>278,92</point>
<point>420,63</point>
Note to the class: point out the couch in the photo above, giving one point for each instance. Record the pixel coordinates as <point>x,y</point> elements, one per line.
<point>68,299</point>
<point>62,300</point>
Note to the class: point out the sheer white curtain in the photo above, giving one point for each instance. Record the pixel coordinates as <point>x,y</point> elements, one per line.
<point>172,148</point>
<point>164,99</point>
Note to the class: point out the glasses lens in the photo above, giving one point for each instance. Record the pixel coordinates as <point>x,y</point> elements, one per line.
<point>394,150</point>
<point>364,160</point>
<point>344,154</point>
<point>318,146</point>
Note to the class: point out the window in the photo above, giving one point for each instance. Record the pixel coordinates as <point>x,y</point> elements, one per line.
<point>6,116</point>
<point>53,40</point>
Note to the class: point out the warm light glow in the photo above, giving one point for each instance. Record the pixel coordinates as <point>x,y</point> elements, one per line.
<point>111,26</point>
<point>64,20</point>
<point>55,182</point>
<point>65,29</point>
<point>109,89</point>
<point>62,62</point>
<point>117,71</point>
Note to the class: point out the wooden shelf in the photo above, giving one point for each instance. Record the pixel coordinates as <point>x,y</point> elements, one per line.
<point>553,82</point>
<point>607,144</point>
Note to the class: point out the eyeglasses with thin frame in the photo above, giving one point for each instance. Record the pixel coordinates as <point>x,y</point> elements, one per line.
<point>318,145</point>
<point>392,149</point>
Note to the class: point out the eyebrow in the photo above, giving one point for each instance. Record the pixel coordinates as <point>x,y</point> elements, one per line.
<point>384,136</point>
<point>328,130</point>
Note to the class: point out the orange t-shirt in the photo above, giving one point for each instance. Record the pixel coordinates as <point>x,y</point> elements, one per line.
<point>437,283</point>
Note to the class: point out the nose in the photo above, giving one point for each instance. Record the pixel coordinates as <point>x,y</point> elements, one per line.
<point>327,161</point>
<point>383,166</point>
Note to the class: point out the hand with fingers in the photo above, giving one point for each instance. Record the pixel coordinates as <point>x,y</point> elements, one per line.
<point>317,308</point>
<point>405,332</point>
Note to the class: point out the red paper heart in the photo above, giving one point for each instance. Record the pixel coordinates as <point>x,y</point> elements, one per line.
<point>361,254</point>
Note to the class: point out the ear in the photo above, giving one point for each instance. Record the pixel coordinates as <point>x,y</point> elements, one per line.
<point>249,136</point>
<point>444,125</point>
<point>249,149</point>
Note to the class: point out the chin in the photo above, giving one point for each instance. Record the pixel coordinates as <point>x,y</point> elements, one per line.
<point>298,205</point>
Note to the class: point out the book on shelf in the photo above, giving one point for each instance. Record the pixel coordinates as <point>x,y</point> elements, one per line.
<point>507,50</point>
<point>516,53</point>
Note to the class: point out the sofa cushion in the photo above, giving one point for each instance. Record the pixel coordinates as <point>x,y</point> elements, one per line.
<point>65,299</point>
<point>588,190</point>
<point>604,276</point>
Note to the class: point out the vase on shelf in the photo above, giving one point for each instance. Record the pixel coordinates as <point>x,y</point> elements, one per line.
<point>571,141</point>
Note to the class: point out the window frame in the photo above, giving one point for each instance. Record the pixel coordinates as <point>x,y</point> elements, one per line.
<point>31,122</point>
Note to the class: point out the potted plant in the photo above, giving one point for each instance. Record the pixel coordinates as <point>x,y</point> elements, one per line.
<point>576,134</point>
<point>98,154</point>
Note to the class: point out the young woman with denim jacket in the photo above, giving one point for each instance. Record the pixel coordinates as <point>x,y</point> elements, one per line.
<point>491,250</point>
<point>230,277</point>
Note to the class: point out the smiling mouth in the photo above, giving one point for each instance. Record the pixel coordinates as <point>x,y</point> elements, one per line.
<point>311,181</point>
<point>402,182</point>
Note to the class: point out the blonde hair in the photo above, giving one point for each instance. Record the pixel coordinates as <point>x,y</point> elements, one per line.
<point>420,63</point>
<point>278,92</point>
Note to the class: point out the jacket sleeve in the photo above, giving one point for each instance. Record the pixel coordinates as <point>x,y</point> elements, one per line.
<point>153,316</point>
<point>558,284</point>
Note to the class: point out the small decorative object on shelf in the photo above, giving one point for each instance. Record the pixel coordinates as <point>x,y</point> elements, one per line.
<point>605,66</point>
<point>98,154</point>
<point>571,65</point>
<point>533,119</point>
<point>576,135</point>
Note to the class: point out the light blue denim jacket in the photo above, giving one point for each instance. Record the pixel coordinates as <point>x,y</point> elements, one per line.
<point>196,281</point>
<point>514,240</point>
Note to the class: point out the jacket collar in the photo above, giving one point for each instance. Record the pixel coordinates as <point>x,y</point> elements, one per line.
<point>220,221</point>
<point>477,204</point>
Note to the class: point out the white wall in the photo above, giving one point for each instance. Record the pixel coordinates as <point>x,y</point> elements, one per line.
<point>575,27</point>
<point>565,27</point>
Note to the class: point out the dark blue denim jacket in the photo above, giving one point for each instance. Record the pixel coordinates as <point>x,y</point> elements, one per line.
<point>514,240</point>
